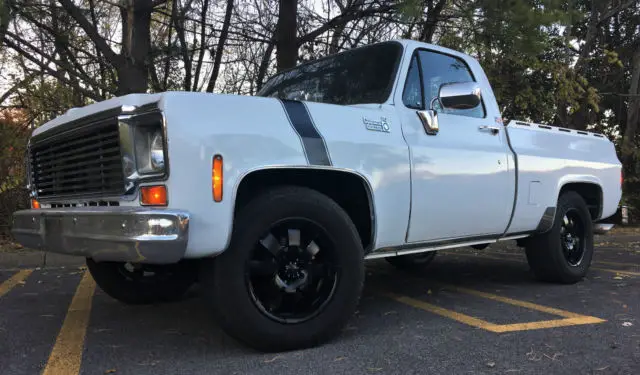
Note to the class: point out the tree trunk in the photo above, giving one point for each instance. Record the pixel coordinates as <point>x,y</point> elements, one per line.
<point>431,22</point>
<point>286,29</point>
<point>264,64</point>
<point>222,40</point>
<point>203,29</point>
<point>178,24</point>
<point>580,118</point>
<point>5,18</point>
<point>633,111</point>
<point>133,74</point>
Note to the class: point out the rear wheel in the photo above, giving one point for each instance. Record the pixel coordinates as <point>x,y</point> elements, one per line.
<point>564,253</point>
<point>293,274</point>
<point>412,261</point>
<point>136,283</point>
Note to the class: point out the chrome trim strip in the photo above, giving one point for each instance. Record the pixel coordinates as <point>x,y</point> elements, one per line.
<point>440,245</point>
<point>517,173</point>
<point>123,234</point>
<point>123,113</point>
<point>126,125</point>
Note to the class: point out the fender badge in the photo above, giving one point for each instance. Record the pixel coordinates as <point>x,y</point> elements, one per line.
<point>377,126</point>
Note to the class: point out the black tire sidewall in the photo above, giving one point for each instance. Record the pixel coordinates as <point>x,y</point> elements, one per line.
<point>237,312</point>
<point>111,280</point>
<point>545,253</point>
<point>567,202</point>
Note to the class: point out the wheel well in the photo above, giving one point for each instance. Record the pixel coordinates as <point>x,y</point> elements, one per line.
<point>348,190</point>
<point>591,193</point>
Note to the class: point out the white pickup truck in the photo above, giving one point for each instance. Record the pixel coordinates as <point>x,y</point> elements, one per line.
<point>274,202</point>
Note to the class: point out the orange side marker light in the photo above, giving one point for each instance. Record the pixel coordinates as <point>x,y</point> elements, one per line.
<point>216,178</point>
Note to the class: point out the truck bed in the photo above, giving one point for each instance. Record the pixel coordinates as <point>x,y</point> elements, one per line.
<point>547,157</point>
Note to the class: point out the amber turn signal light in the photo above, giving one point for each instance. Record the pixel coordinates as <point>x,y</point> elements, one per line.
<point>216,178</point>
<point>153,195</point>
<point>35,204</point>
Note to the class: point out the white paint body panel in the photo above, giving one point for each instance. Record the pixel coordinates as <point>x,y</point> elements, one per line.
<point>460,183</point>
<point>550,158</point>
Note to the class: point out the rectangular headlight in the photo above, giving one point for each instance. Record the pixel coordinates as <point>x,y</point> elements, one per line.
<point>149,146</point>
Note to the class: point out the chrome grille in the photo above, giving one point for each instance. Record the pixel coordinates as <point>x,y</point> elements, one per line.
<point>82,161</point>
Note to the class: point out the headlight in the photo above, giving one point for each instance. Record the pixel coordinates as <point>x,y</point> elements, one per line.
<point>149,150</point>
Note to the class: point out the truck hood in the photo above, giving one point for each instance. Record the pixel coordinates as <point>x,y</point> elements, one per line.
<point>76,113</point>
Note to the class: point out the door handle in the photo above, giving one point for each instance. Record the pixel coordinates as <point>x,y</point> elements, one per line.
<point>493,129</point>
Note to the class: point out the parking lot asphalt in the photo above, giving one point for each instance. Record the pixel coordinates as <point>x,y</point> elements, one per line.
<point>469,312</point>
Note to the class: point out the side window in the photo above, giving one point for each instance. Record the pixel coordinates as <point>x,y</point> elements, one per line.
<point>412,94</point>
<point>438,69</point>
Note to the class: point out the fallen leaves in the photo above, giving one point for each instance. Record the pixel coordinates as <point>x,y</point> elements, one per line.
<point>111,371</point>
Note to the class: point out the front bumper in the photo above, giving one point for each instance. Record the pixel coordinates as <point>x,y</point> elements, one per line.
<point>123,234</point>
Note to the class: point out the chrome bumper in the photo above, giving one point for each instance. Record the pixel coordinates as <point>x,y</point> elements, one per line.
<point>124,234</point>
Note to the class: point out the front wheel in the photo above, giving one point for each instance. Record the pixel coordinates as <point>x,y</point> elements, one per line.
<point>293,273</point>
<point>564,253</point>
<point>135,283</point>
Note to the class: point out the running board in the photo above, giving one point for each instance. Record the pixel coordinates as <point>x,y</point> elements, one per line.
<point>421,248</point>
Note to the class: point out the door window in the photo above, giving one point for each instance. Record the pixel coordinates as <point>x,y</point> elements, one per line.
<point>438,69</point>
<point>412,94</point>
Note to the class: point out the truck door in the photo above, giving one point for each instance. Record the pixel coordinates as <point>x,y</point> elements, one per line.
<point>463,177</point>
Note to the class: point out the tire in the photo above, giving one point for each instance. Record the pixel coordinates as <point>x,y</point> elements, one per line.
<point>412,262</point>
<point>243,299</point>
<point>556,257</point>
<point>144,283</point>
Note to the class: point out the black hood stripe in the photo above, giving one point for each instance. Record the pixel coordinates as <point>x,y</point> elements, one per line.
<point>315,148</point>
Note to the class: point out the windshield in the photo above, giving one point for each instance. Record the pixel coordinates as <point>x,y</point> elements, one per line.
<point>360,76</point>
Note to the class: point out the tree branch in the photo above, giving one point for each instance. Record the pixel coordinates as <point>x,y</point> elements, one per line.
<point>341,20</point>
<point>615,11</point>
<point>13,89</point>
<point>54,73</point>
<point>75,12</point>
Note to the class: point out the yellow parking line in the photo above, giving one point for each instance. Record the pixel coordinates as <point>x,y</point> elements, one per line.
<point>582,320</point>
<point>627,273</point>
<point>14,280</point>
<point>604,262</point>
<point>515,302</point>
<point>462,318</point>
<point>617,264</point>
<point>66,356</point>
<point>575,319</point>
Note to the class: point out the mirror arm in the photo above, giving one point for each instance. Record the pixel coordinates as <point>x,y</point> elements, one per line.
<point>433,101</point>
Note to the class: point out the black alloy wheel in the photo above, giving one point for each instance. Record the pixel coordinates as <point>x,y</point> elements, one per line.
<point>563,253</point>
<point>572,237</point>
<point>292,272</point>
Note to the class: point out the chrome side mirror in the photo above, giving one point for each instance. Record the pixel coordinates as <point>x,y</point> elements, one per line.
<point>463,95</point>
